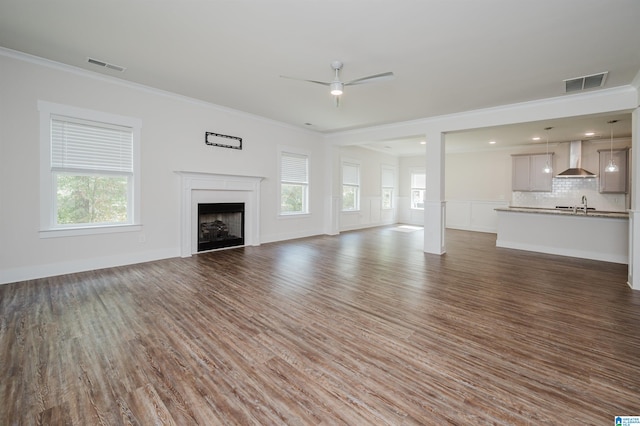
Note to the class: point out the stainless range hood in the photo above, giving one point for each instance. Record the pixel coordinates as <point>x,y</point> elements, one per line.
<point>575,162</point>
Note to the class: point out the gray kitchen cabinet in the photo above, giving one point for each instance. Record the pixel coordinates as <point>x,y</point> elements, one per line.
<point>613,182</point>
<point>528,175</point>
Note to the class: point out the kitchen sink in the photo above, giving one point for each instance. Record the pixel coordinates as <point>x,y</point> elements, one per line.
<point>571,208</point>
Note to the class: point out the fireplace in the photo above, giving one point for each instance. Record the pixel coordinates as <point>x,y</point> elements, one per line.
<point>202,188</point>
<point>220,225</point>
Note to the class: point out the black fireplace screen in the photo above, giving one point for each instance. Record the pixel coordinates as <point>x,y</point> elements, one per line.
<point>220,225</point>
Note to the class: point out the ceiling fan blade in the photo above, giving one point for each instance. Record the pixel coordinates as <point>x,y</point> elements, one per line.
<point>324,83</point>
<point>385,76</point>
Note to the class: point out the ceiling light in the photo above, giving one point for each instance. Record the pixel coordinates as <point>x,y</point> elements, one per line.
<point>423,142</point>
<point>336,88</point>
<point>547,164</point>
<point>590,133</point>
<point>492,142</point>
<point>612,167</point>
<point>536,138</point>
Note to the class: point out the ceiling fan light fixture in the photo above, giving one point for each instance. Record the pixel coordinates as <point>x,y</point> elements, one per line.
<point>336,88</point>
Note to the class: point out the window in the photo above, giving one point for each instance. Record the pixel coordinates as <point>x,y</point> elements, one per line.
<point>388,184</point>
<point>294,183</point>
<point>350,186</point>
<point>89,170</point>
<point>418,185</point>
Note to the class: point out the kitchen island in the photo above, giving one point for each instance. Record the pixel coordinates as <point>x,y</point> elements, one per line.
<point>596,235</point>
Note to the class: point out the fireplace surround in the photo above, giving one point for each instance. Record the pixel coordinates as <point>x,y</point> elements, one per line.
<point>203,188</point>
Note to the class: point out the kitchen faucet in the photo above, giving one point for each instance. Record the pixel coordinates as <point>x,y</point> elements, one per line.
<point>584,203</point>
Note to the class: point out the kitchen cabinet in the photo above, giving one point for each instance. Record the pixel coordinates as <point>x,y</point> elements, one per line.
<point>528,175</point>
<point>613,182</point>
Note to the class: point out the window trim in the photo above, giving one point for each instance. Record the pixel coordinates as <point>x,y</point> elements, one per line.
<point>412,188</point>
<point>48,229</point>
<point>392,170</point>
<point>296,152</point>
<point>358,187</point>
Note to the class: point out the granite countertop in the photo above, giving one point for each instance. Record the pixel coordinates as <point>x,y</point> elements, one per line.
<point>566,212</point>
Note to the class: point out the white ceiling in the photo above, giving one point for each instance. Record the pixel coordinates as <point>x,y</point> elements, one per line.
<point>448,56</point>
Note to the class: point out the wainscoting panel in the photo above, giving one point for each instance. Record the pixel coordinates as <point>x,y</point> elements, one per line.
<point>369,215</point>
<point>473,215</point>
<point>407,215</point>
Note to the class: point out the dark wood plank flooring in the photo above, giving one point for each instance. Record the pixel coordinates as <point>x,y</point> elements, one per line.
<point>361,328</point>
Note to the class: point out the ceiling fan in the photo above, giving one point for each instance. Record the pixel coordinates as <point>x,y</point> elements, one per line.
<point>337,86</point>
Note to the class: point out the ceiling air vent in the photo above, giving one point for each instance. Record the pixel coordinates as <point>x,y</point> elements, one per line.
<point>105,64</point>
<point>585,82</point>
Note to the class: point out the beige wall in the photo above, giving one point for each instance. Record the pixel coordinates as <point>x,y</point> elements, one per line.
<point>478,176</point>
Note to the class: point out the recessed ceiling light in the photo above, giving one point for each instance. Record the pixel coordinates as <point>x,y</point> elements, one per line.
<point>423,142</point>
<point>590,133</point>
<point>536,138</point>
<point>492,142</point>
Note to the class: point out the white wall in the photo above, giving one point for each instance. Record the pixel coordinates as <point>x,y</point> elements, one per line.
<point>405,213</point>
<point>172,140</point>
<point>476,183</point>
<point>371,163</point>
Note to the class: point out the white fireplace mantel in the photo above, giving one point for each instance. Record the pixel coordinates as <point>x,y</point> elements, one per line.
<point>198,187</point>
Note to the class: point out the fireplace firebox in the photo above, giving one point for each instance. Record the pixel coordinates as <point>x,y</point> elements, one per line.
<point>220,225</point>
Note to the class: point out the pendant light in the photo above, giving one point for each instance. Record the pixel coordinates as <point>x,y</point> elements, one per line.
<point>612,167</point>
<point>547,165</point>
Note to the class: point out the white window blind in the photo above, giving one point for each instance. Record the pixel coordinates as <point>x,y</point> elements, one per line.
<point>294,168</point>
<point>387,178</point>
<point>418,180</point>
<point>90,146</point>
<point>350,174</point>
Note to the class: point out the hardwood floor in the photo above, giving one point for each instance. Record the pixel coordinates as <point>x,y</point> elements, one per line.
<point>362,328</point>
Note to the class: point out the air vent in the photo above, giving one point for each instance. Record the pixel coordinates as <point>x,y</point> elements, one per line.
<point>585,82</point>
<point>105,64</point>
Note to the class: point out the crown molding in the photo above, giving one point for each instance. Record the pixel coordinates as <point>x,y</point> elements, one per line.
<point>59,66</point>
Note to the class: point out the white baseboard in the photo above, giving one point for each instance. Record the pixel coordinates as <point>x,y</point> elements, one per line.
<point>584,254</point>
<point>472,229</point>
<point>41,271</point>
<point>274,238</point>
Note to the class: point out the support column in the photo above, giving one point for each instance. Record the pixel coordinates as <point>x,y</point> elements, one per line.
<point>434,203</point>
<point>634,212</point>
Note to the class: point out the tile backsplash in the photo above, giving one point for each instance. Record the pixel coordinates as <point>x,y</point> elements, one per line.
<point>569,192</point>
